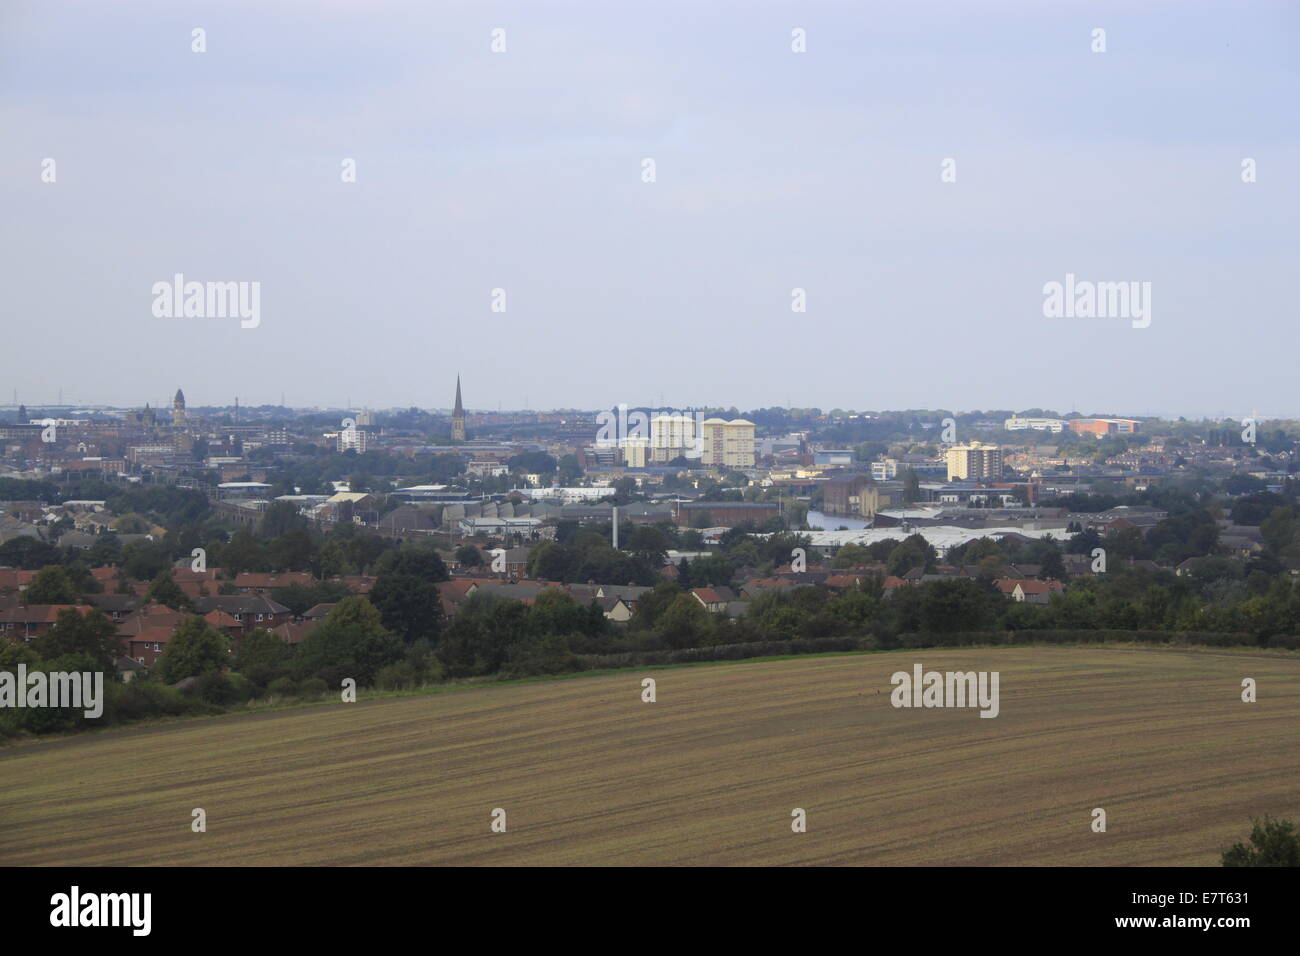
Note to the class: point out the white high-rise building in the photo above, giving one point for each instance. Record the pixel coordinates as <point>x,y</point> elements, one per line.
<point>672,436</point>
<point>728,444</point>
<point>976,462</point>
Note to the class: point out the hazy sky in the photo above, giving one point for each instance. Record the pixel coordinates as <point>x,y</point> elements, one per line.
<point>774,170</point>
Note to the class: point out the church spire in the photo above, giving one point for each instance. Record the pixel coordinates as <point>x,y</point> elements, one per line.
<point>458,416</point>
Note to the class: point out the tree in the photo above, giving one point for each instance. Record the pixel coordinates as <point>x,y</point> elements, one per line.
<point>912,552</point>
<point>261,648</point>
<point>350,642</point>
<point>683,622</point>
<point>1273,843</point>
<point>409,606</point>
<point>292,551</point>
<point>106,550</point>
<point>131,524</point>
<point>28,553</point>
<point>244,553</point>
<point>332,561</point>
<point>533,462</point>
<point>144,560</point>
<point>281,517</point>
<point>93,635</point>
<point>469,556</point>
<point>165,590</point>
<point>194,649</point>
<point>1053,566</point>
<point>421,562</point>
<point>550,561</point>
<point>851,556</point>
<point>570,469</point>
<point>51,585</point>
<point>911,486</point>
<point>480,637</point>
<point>648,543</point>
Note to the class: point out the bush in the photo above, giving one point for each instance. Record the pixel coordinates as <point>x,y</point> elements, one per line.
<point>260,676</point>
<point>915,639</point>
<point>1273,843</point>
<point>242,686</point>
<point>313,688</point>
<point>141,699</point>
<point>399,676</point>
<point>215,689</point>
<point>282,687</point>
<point>723,652</point>
<point>549,654</point>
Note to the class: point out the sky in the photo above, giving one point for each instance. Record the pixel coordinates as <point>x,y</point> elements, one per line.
<point>524,170</point>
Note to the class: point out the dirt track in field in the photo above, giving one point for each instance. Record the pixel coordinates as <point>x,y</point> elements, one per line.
<point>589,774</point>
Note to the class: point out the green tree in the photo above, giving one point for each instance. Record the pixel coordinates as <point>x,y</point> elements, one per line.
<point>244,553</point>
<point>142,560</point>
<point>684,622</point>
<point>281,517</point>
<point>649,543</point>
<point>1053,566</point>
<point>51,585</point>
<point>106,551</point>
<point>350,642</point>
<point>28,553</point>
<point>261,648</point>
<point>165,590</point>
<point>912,552</point>
<point>911,486</point>
<point>409,606</point>
<point>851,556</point>
<point>421,562</point>
<point>194,649</point>
<point>1272,843</point>
<point>292,551</point>
<point>469,556</point>
<point>92,635</point>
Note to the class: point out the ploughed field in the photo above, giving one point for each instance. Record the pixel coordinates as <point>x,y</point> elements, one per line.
<point>587,773</point>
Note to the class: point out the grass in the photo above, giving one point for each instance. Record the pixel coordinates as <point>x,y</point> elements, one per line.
<point>706,775</point>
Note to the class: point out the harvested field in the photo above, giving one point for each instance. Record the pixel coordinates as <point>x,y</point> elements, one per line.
<point>708,774</point>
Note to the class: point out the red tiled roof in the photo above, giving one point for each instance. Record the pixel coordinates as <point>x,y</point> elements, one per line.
<point>154,634</point>
<point>40,613</point>
<point>267,580</point>
<point>294,632</point>
<point>219,619</point>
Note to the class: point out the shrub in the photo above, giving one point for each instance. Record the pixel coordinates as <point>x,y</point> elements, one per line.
<point>549,654</point>
<point>1273,843</point>
<point>282,687</point>
<point>313,688</point>
<point>260,676</point>
<point>399,676</point>
<point>215,689</point>
<point>141,699</point>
